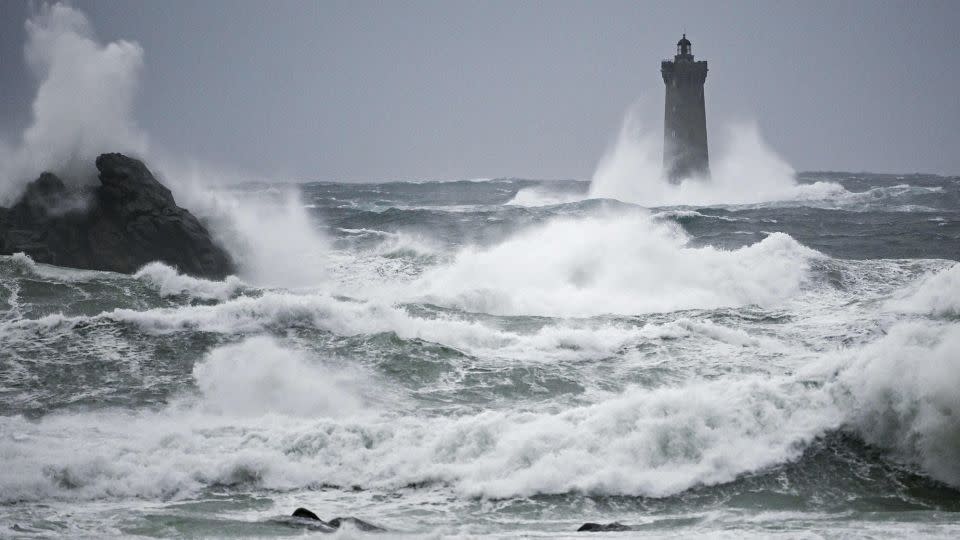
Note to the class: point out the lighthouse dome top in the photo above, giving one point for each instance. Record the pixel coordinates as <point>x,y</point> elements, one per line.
<point>684,47</point>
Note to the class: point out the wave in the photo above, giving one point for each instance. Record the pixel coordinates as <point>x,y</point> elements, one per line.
<point>900,393</point>
<point>682,215</point>
<point>22,264</point>
<point>299,428</point>
<point>651,443</point>
<point>260,375</point>
<point>544,196</point>
<point>274,242</point>
<point>625,264</point>
<point>273,311</point>
<point>746,171</point>
<point>394,244</point>
<point>83,104</point>
<point>821,194</point>
<point>168,282</point>
<point>898,198</point>
<point>936,294</point>
<point>889,198</point>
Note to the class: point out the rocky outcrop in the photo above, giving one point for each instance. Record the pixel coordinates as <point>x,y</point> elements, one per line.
<point>335,523</point>
<point>604,527</point>
<point>127,221</point>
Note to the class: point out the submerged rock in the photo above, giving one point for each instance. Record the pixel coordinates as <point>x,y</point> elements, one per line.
<point>604,527</point>
<point>336,523</point>
<point>127,221</point>
<point>305,514</point>
<point>357,523</point>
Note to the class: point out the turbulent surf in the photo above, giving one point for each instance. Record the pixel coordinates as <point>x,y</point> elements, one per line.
<point>505,357</point>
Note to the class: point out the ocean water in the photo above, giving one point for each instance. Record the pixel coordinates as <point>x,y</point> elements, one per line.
<point>502,358</point>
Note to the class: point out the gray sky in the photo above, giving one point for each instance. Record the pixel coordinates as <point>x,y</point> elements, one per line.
<point>400,90</point>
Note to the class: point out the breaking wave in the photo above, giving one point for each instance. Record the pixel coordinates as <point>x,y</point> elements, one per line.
<point>937,294</point>
<point>259,376</point>
<point>897,394</point>
<point>544,196</point>
<point>470,339</point>
<point>169,282</point>
<point>616,264</point>
<point>745,171</point>
<point>900,394</point>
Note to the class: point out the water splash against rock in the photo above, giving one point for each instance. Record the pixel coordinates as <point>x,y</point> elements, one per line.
<point>744,170</point>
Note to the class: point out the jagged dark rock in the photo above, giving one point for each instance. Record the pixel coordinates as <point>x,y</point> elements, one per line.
<point>336,523</point>
<point>305,514</point>
<point>604,527</point>
<point>127,221</point>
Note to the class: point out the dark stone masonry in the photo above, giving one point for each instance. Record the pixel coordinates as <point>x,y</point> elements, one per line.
<point>684,118</point>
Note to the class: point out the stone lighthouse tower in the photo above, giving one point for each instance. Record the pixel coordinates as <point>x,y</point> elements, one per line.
<point>684,118</point>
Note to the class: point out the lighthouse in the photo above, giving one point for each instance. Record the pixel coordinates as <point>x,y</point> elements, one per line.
<point>684,118</point>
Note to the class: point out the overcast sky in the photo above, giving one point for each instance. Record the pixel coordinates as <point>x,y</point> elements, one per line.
<point>401,90</point>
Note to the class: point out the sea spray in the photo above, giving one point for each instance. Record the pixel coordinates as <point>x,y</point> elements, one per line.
<point>936,294</point>
<point>183,393</point>
<point>745,170</point>
<point>169,282</point>
<point>84,102</point>
<point>900,394</point>
<point>427,372</point>
<point>84,106</point>
<point>618,263</point>
<point>643,442</point>
<point>276,243</point>
<point>259,375</point>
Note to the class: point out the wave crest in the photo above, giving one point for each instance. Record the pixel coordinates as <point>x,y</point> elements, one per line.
<point>259,376</point>
<point>938,294</point>
<point>169,282</point>
<point>626,264</point>
<point>901,394</point>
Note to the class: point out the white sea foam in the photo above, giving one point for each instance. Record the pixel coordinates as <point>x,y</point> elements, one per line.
<point>22,262</point>
<point>259,375</point>
<point>678,214</point>
<point>543,196</point>
<point>746,170</point>
<point>646,442</point>
<point>169,282</point>
<point>685,327</point>
<point>276,310</point>
<point>27,265</point>
<point>83,105</point>
<point>393,244</point>
<point>937,294</point>
<point>883,197</point>
<point>273,240</point>
<point>900,393</point>
<point>625,264</point>
<point>271,417</point>
<point>264,414</point>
